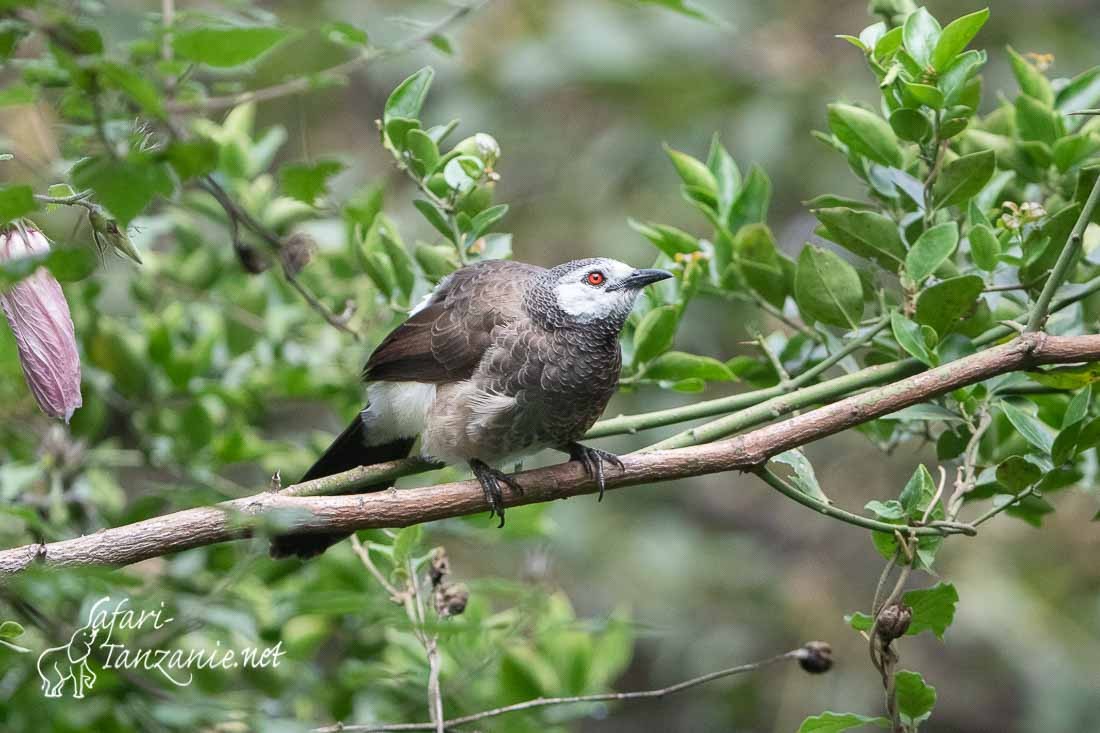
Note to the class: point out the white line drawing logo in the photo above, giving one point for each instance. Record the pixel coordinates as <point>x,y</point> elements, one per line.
<point>59,665</point>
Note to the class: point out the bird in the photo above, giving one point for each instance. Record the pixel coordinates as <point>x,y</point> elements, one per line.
<point>500,360</point>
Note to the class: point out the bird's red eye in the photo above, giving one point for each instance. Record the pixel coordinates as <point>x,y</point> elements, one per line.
<point>595,278</point>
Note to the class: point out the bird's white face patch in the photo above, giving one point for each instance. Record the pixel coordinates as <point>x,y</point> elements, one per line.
<point>581,296</point>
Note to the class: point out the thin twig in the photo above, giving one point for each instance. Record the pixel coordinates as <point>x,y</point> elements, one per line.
<point>238,215</point>
<point>364,556</point>
<point>304,84</point>
<point>1065,260</point>
<point>546,701</point>
<point>1007,505</point>
<point>784,487</point>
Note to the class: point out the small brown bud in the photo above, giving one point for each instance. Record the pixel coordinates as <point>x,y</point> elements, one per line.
<point>816,657</point>
<point>451,600</point>
<point>250,258</point>
<point>296,252</point>
<point>893,622</point>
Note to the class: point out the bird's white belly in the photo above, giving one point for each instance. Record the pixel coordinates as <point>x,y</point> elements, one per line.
<point>397,410</point>
<point>452,420</point>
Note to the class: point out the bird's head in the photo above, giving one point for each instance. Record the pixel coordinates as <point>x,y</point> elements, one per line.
<point>599,290</point>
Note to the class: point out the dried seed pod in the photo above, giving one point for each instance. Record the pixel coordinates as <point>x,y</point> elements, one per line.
<point>893,622</point>
<point>296,252</point>
<point>440,566</point>
<point>451,600</point>
<point>816,657</point>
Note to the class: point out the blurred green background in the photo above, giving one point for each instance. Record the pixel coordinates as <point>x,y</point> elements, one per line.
<point>714,571</point>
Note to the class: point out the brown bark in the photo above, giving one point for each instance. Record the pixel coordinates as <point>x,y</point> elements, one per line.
<point>392,508</point>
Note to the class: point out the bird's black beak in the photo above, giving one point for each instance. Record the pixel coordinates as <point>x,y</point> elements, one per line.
<point>641,278</point>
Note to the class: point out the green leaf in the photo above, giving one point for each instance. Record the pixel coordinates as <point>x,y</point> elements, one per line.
<point>1032,81</point>
<point>803,478</point>
<point>655,333</point>
<point>1074,149</point>
<point>226,46</point>
<point>726,173</point>
<point>307,181</point>
<point>891,510</point>
<point>985,248</point>
<point>759,260</point>
<point>425,153</point>
<point>918,492</point>
<point>692,171</point>
<point>1078,408</point>
<point>1082,92</point>
<point>958,78</point>
<point>1034,430</point>
<point>828,289</point>
<point>944,303</point>
<point>485,220</point>
<point>435,217</point>
<point>910,124</point>
<point>135,86</point>
<point>751,204</point>
<point>15,201</point>
<point>1065,444</point>
<point>437,261</point>
<point>1037,120</point>
<point>864,233</point>
<point>192,158</point>
<point>1016,473</point>
<point>925,94</point>
<point>956,36</point>
<point>405,543</point>
<point>11,630</point>
<point>865,133</point>
<point>964,177</point>
<point>909,337</point>
<point>931,250</point>
<point>829,722</point>
<point>125,186</point>
<point>67,264</point>
<point>407,99</point>
<point>669,240</point>
<point>933,608</point>
<point>889,44</point>
<point>1073,377</point>
<point>915,698</point>
<point>677,365</point>
<point>921,35</point>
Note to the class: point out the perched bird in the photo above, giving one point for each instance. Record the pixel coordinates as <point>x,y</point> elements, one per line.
<point>501,360</point>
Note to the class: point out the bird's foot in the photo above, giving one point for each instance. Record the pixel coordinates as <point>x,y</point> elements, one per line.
<point>593,459</point>
<point>490,480</point>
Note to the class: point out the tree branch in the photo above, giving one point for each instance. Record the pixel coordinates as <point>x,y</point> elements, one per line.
<point>300,509</point>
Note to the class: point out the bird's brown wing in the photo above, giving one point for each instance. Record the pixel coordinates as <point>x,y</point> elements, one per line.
<point>445,340</point>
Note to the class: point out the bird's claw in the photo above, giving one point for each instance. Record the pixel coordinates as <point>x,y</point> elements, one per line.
<point>490,480</point>
<point>592,459</point>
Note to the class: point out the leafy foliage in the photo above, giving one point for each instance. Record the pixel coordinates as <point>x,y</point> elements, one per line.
<point>964,214</point>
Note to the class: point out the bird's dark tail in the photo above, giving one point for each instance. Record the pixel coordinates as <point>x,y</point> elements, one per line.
<point>348,451</point>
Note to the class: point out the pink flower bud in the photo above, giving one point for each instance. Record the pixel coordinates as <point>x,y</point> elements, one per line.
<point>39,317</point>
